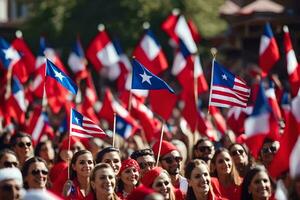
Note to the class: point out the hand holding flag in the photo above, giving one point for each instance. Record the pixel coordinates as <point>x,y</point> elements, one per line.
<point>143,79</point>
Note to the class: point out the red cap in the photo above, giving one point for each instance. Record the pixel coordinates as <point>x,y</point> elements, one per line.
<point>166,147</point>
<point>139,193</point>
<point>65,143</point>
<point>129,163</point>
<point>150,176</point>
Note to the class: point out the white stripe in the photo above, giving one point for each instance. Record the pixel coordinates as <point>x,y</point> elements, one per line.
<point>295,160</point>
<point>226,90</point>
<point>264,43</point>
<point>86,130</point>
<point>183,32</point>
<point>292,62</point>
<point>257,124</point>
<point>108,55</point>
<point>230,99</point>
<point>36,82</point>
<point>179,64</point>
<point>80,135</point>
<point>150,47</point>
<point>38,128</point>
<point>219,104</point>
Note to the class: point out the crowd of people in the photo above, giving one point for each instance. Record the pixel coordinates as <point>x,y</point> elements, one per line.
<point>94,169</point>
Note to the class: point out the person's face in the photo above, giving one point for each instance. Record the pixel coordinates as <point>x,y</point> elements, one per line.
<point>146,163</point>
<point>205,150</point>
<point>66,155</point>
<point>9,160</point>
<point>260,186</point>
<point>223,163</point>
<point>24,148</point>
<point>162,185</point>
<point>105,182</point>
<point>268,151</point>
<point>113,159</point>
<point>239,155</point>
<point>130,176</point>
<point>171,162</point>
<point>47,151</point>
<point>37,176</point>
<point>83,165</point>
<point>77,147</point>
<point>200,180</point>
<point>10,190</point>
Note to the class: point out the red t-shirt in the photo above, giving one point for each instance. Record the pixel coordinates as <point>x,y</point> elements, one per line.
<point>232,192</point>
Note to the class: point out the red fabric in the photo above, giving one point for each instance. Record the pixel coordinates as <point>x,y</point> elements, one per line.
<point>169,26</point>
<point>218,118</point>
<point>64,145</point>
<point>194,31</point>
<point>162,102</point>
<point>166,147</point>
<point>149,177</point>
<point>129,163</point>
<point>232,192</point>
<point>178,194</point>
<point>77,193</point>
<point>140,193</point>
<point>58,177</point>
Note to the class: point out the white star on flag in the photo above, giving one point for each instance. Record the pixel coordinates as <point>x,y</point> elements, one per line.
<point>59,75</point>
<point>77,120</point>
<point>11,53</point>
<point>224,77</point>
<point>120,125</point>
<point>146,78</point>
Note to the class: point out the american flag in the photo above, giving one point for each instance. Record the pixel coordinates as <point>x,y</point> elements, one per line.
<point>227,89</point>
<point>84,127</point>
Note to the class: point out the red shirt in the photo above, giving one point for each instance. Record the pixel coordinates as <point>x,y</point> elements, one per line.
<point>232,192</point>
<point>76,194</point>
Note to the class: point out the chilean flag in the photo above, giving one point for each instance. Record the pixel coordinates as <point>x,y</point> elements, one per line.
<point>268,50</point>
<point>260,124</point>
<point>293,67</point>
<point>101,51</point>
<point>150,54</point>
<point>17,104</point>
<point>77,61</point>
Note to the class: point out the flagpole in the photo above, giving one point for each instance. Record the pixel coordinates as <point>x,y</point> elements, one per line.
<point>160,141</point>
<point>8,84</point>
<point>114,130</point>
<point>214,52</point>
<point>44,100</point>
<point>69,143</point>
<point>196,94</point>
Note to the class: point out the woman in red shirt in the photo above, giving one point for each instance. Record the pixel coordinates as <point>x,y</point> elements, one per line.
<point>226,181</point>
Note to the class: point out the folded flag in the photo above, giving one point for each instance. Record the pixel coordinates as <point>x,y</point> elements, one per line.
<point>227,89</point>
<point>84,127</point>
<point>61,77</point>
<point>143,79</point>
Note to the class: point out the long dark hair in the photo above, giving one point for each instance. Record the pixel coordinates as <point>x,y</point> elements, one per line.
<point>73,173</point>
<point>26,166</point>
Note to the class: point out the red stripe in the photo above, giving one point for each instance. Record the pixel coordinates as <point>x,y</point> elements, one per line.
<point>241,85</point>
<point>100,134</point>
<point>227,102</point>
<point>228,95</point>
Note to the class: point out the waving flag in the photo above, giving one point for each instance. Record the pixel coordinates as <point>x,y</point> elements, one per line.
<point>82,126</point>
<point>77,61</point>
<point>55,73</point>
<point>293,67</point>
<point>227,89</point>
<point>149,53</point>
<point>270,93</point>
<point>8,54</point>
<point>260,124</point>
<point>123,128</point>
<point>268,50</point>
<point>143,79</point>
<point>101,51</point>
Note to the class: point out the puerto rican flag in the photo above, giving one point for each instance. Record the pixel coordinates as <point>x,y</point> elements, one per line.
<point>84,127</point>
<point>268,50</point>
<point>227,89</point>
<point>293,67</point>
<point>77,61</point>
<point>101,51</point>
<point>8,54</point>
<point>123,127</point>
<point>150,54</point>
<point>260,124</point>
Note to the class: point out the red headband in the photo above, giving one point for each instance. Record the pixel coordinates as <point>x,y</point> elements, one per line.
<point>150,176</point>
<point>129,163</point>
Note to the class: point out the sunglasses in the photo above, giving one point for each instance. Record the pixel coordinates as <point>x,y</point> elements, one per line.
<point>144,165</point>
<point>38,171</point>
<point>9,188</point>
<point>205,148</point>
<point>170,160</point>
<point>237,152</point>
<point>22,144</point>
<point>270,149</point>
<point>160,184</point>
<point>10,164</point>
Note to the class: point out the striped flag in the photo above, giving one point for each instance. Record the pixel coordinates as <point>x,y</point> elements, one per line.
<point>84,127</point>
<point>227,89</point>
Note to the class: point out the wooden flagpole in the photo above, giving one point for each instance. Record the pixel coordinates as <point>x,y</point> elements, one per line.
<point>114,130</point>
<point>69,143</point>
<point>160,141</point>
<point>214,52</point>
